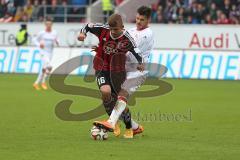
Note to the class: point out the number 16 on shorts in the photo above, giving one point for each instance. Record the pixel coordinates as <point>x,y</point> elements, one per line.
<point>101,80</point>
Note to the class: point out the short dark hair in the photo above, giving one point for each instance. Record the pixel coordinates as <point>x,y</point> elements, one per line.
<point>144,11</point>
<point>115,20</point>
<point>24,26</point>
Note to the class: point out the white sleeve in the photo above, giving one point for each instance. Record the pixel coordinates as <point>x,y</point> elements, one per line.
<point>148,45</point>
<point>57,41</point>
<point>37,39</point>
<point>150,41</point>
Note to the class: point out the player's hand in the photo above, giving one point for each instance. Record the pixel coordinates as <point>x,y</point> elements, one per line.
<point>41,45</point>
<point>94,48</point>
<point>140,67</point>
<point>81,36</point>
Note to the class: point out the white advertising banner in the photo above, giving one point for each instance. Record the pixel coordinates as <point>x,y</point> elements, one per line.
<point>200,37</point>
<point>196,37</point>
<point>180,63</point>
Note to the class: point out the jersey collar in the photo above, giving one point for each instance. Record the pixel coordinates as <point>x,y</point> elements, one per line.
<point>118,36</point>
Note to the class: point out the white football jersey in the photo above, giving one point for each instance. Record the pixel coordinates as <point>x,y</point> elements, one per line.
<point>144,40</point>
<point>48,39</point>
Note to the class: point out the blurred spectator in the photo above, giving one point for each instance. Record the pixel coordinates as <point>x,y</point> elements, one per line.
<point>23,14</point>
<point>7,10</point>
<point>163,11</point>
<point>3,8</point>
<point>35,11</point>
<point>226,8</point>
<point>181,16</point>
<point>169,13</point>
<point>219,3</point>
<point>189,20</point>
<point>52,9</point>
<point>61,11</point>
<point>213,12</point>
<point>201,12</point>
<point>28,9</point>
<point>179,3</point>
<point>154,12</point>
<point>78,11</point>
<point>19,14</point>
<point>19,3</point>
<point>222,19</point>
<point>24,18</point>
<point>11,9</point>
<point>194,13</point>
<point>235,11</point>
<point>197,11</point>
<point>234,20</point>
<point>42,11</point>
<point>7,18</point>
<point>22,36</point>
<point>208,19</point>
<point>234,14</point>
<point>118,2</point>
<point>107,8</point>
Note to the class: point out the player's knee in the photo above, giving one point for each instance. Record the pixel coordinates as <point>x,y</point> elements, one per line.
<point>48,70</point>
<point>44,70</point>
<point>106,92</point>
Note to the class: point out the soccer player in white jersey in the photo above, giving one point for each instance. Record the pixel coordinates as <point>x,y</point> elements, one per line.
<point>45,40</point>
<point>143,37</point>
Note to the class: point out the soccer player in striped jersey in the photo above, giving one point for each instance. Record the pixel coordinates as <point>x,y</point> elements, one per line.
<point>45,40</point>
<point>110,59</point>
<point>143,37</point>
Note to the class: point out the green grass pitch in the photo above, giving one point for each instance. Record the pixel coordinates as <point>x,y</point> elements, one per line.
<point>209,128</point>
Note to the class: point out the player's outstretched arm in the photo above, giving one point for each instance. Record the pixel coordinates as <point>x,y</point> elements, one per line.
<point>57,41</point>
<point>135,52</point>
<point>37,40</point>
<point>94,28</point>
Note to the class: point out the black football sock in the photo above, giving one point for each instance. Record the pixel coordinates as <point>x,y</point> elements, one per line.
<point>126,117</point>
<point>110,104</point>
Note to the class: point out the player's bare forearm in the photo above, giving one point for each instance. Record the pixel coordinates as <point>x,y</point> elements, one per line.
<point>94,48</point>
<point>140,67</point>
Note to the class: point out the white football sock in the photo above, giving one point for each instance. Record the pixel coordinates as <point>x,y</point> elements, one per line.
<point>44,77</point>
<point>39,78</point>
<point>135,125</point>
<point>117,111</point>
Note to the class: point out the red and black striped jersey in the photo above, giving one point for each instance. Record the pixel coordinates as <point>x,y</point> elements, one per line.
<point>111,52</point>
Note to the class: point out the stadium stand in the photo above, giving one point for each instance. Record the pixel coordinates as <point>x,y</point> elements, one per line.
<point>164,11</point>
<point>196,11</point>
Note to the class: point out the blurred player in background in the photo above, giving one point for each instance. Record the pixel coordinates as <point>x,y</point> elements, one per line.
<point>110,59</point>
<point>143,37</point>
<point>45,40</point>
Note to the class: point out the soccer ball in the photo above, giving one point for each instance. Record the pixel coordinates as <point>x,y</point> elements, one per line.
<point>98,133</point>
